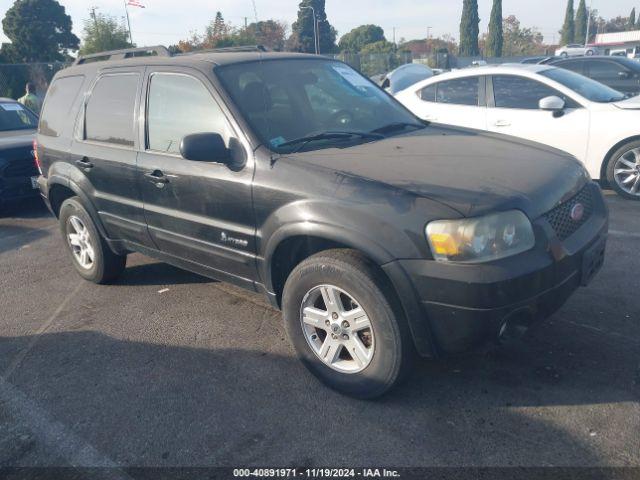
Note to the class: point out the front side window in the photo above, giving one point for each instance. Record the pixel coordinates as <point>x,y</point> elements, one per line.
<point>573,65</point>
<point>180,105</point>
<point>510,91</point>
<point>14,116</point>
<point>589,89</point>
<point>605,70</point>
<point>110,111</point>
<point>288,101</point>
<point>462,91</point>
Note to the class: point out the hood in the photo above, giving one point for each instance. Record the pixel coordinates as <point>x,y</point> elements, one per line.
<point>473,172</point>
<point>632,103</point>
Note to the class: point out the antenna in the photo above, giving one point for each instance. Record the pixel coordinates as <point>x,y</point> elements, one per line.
<point>255,10</point>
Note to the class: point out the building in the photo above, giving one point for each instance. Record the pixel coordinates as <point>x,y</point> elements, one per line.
<point>619,42</point>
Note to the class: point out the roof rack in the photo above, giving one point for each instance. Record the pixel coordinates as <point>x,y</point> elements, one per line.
<point>238,49</point>
<point>159,51</point>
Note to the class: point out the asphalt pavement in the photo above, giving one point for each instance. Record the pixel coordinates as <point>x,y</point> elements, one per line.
<point>166,368</point>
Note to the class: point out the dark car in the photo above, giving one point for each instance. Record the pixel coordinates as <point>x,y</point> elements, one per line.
<point>294,176</point>
<point>619,73</point>
<point>18,172</point>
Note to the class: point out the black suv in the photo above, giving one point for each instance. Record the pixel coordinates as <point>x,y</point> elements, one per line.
<point>619,73</point>
<point>293,175</point>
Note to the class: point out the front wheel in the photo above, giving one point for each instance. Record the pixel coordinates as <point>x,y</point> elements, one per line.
<point>345,324</point>
<point>623,171</point>
<point>590,53</point>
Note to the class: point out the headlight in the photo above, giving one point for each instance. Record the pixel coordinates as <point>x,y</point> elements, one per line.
<point>482,239</point>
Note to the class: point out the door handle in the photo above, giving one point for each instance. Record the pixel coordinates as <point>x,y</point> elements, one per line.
<point>157,177</point>
<point>502,123</point>
<point>85,164</point>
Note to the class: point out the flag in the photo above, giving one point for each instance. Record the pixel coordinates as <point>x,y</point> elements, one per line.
<point>135,3</point>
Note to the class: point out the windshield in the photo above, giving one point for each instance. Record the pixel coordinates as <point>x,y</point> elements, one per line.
<point>295,105</point>
<point>13,116</point>
<point>589,89</point>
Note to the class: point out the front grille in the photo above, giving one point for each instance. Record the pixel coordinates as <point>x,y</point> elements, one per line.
<point>560,217</point>
<point>22,167</point>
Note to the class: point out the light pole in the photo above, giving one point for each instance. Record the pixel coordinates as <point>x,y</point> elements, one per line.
<point>586,39</point>
<point>316,43</point>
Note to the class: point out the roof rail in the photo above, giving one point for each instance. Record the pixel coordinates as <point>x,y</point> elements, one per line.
<point>159,51</point>
<point>243,48</point>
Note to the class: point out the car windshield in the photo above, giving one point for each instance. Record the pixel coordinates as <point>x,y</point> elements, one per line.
<point>589,89</point>
<point>309,104</point>
<point>13,116</point>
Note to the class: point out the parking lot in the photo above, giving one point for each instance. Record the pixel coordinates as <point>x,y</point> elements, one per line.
<point>166,368</point>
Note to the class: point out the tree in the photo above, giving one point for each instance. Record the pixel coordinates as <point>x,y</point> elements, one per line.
<point>270,33</point>
<point>521,41</point>
<point>581,23</point>
<point>363,35</point>
<point>302,37</point>
<point>39,30</point>
<point>102,33</point>
<point>632,19</point>
<point>495,38</point>
<point>218,28</point>
<point>568,31</point>
<point>469,29</point>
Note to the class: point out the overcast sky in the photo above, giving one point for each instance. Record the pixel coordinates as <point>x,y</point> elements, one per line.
<point>167,21</point>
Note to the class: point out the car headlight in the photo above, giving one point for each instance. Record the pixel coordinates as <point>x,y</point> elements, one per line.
<point>482,239</point>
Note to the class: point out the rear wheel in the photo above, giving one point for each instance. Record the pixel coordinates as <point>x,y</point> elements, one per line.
<point>623,171</point>
<point>345,324</point>
<point>90,254</point>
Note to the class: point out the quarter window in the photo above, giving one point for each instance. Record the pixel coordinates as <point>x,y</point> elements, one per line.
<point>110,110</point>
<point>60,97</point>
<point>462,91</point>
<point>522,93</point>
<point>428,94</point>
<point>180,105</point>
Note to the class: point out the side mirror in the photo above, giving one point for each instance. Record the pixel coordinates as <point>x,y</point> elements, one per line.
<point>624,75</point>
<point>205,147</point>
<point>552,104</point>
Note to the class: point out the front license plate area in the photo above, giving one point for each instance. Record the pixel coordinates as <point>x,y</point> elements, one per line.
<point>593,260</point>
<point>34,183</point>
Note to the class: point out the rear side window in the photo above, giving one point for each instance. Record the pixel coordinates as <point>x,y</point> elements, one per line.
<point>605,70</point>
<point>180,105</point>
<point>110,110</point>
<point>462,91</point>
<point>428,94</point>
<point>57,106</point>
<point>573,65</point>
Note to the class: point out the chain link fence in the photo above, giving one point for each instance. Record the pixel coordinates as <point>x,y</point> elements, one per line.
<point>14,76</point>
<point>375,63</point>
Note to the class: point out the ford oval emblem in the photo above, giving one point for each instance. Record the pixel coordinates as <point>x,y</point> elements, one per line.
<point>577,212</point>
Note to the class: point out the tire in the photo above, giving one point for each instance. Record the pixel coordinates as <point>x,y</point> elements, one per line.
<point>358,283</point>
<point>627,185</point>
<point>564,54</point>
<point>589,53</point>
<point>102,265</point>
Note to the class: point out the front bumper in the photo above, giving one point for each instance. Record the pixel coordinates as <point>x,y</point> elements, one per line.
<point>466,305</point>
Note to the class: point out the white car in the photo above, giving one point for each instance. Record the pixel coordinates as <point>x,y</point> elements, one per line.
<point>545,104</point>
<point>575,50</point>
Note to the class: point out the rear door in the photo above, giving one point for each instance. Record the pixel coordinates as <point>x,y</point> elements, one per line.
<point>196,211</point>
<point>105,152</point>
<point>513,110</point>
<point>459,102</point>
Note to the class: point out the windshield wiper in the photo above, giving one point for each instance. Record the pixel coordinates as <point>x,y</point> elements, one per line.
<point>398,126</point>
<point>304,141</point>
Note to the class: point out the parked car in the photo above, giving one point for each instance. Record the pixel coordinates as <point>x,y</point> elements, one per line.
<point>619,73</point>
<point>575,50</point>
<point>545,104</point>
<point>536,60</point>
<point>295,176</point>
<point>404,76</point>
<point>18,172</point>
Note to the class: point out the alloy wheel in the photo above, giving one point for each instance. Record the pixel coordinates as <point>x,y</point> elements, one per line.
<point>337,329</point>
<point>80,242</point>
<point>627,172</point>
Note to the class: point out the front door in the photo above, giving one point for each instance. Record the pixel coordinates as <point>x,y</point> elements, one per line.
<point>196,211</point>
<point>514,111</point>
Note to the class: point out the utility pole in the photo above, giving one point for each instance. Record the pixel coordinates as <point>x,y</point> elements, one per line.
<point>128,22</point>
<point>586,40</point>
<point>246,24</point>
